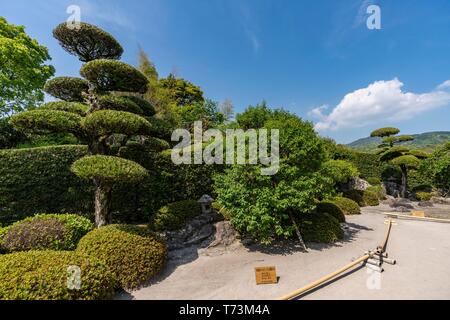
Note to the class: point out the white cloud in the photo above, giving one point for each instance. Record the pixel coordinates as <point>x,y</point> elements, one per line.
<point>444,86</point>
<point>317,113</point>
<point>380,102</point>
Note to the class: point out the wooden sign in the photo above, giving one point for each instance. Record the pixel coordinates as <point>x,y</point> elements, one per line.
<point>266,275</point>
<point>419,214</point>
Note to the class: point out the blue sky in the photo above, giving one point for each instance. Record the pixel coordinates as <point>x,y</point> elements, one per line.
<point>315,58</point>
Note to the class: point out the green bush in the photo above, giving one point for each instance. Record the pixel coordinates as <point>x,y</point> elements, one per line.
<point>320,228</point>
<point>174,215</point>
<point>9,136</point>
<point>131,253</point>
<point>45,121</point>
<point>107,122</point>
<point>379,190</point>
<point>332,209</point>
<point>144,105</point>
<point>118,103</point>
<point>348,206</point>
<point>370,198</point>
<point>87,42</point>
<point>368,164</point>
<point>423,196</point>
<point>340,170</point>
<point>72,107</point>
<point>219,209</point>
<point>356,196</point>
<point>45,231</point>
<point>39,180</point>
<point>43,275</point>
<point>110,169</point>
<point>374,181</point>
<point>111,75</point>
<point>67,88</point>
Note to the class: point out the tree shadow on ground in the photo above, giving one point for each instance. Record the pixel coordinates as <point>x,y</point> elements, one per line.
<point>288,247</point>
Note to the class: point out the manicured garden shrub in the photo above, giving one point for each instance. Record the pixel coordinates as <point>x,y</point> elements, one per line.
<point>348,206</point>
<point>118,103</point>
<point>45,231</point>
<point>144,105</point>
<point>320,228</point>
<point>355,195</point>
<point>47,121</point>
<point>10,137</point>
<point>423,196</point>
<point>374,181</point>
<point>379,190</point>
<point>131,253</point>
<point>220,210</point>
<point>43,275</point>
<point>368,164</point>
<point>72,107</point>
<point>67,88</point>
<point>174,215</point>
<point>332,209</point>
<point>370,198</point>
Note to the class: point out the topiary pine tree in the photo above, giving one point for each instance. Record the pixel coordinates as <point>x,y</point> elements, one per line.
<point>398,155</point>
<point>98,108</point>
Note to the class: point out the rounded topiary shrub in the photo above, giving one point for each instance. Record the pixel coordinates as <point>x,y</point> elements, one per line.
<point>332,209</point>
<point>374,181</point>
<point>45,275</point>
<point>45,231</point>
<point>132,254</point>
<point>320,228</point>
<point>379,190</point>
<point>370,198</point>
<point>348,206</point>
<point>174,215</point>
<point>423,196</point>
<point>355,195</point>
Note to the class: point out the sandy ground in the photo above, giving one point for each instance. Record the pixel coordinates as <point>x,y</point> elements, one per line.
<point>422,251</point>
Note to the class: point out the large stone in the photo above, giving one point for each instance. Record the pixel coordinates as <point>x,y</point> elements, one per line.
<point>440,200</point>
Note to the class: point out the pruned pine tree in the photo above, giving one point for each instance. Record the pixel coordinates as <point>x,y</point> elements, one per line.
<point>101,107</point>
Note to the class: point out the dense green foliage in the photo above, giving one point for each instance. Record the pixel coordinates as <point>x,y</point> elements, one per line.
<point>332,209</point>
<point>363,198</point>
<point>437,167</point>
<point>379,190</point>
<point>46,121</point>
<point>146,107</point>
<point>131,253</point>
<point>43,275</point>
<point>320,228</point>
<point>107,122</point>
<point>72,107</point>
<point>87,42</point>
<point>109,169</point>
<point>39,180</point>
<point>348,206</point>
<point>118,103</point>
<point>423,196</point>
<point>23,69</point>
<point>385,132</point>
<point>112,75</point>
<point>69,89</point>
<point>45,231</point>
<point>340,170</point>
<point>174,215</point>
<point>264,206</point>
<point>181,91</point>
<point>368,164</point>
<point>9,136</point>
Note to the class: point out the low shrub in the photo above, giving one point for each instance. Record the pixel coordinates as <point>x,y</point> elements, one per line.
<point>174,215</point>
<point>220,210</point>
<point>332,209</point>
<point>45,231</point>
<point>379,190</point>
<point>355,195</point>
<point>131,253</point>
<point>370,198</point>
<point>348,206</point>
<point>374,181</point>
<point>320,228</point>
<point>423,196</point>
<point>44,275</point>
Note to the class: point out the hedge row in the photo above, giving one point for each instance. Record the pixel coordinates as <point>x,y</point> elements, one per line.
<point>39,180</point>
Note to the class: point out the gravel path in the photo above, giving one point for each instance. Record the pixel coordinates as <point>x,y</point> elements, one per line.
<point>420,248</point>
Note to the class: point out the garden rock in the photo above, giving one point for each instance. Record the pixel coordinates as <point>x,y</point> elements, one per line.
<point>425,204</point>
<point>440,200</point>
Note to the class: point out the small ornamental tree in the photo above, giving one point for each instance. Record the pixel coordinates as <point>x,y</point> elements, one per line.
<point>401,156</point>
<point>99,109</point>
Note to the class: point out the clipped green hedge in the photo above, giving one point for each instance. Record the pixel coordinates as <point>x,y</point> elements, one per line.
<point>67,88</point>
<point>107,122</point>
<point>370,198</point>
<point>131,253</point>
<point>320,228</point>
<point>348,206</point>
<point>72,107</point>
<point>118,103</point>
<point>363,198</point>
<point>174,215</point>
<point>368,164</point>
<point>45,121</point>
<point>45,231</point>
<point>332,209</point>
<point>39,180</point>
<point>423,196</point>
<point>379,190</point>
<point>112,75</point>
<point>43,275</point>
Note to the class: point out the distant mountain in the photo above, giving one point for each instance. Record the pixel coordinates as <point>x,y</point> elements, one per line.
<point>426,141</point>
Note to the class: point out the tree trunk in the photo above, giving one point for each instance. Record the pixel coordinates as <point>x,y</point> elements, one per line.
<point>297,231</point>
<point>404,181</point>
<point>102,203</point>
